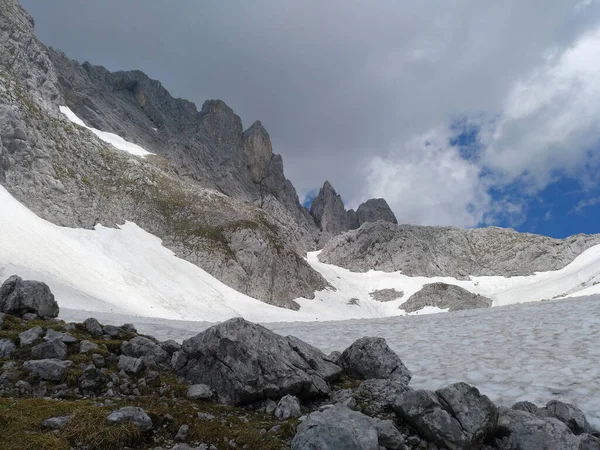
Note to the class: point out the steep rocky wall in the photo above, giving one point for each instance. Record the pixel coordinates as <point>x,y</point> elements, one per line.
<point>449,251</point>
<point>66,175</point>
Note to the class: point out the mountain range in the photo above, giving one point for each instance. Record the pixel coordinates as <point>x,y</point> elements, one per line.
<point>103,157</point>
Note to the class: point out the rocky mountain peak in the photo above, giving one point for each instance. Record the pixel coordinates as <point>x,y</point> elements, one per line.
<point>258,151</point>
<point>373,210</point>
<point>330,214</point>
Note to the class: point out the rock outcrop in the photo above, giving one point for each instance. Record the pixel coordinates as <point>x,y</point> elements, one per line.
<point>445,296</point>
<point>244,363</point>
<point>19,297</point>
<point>454,252</point>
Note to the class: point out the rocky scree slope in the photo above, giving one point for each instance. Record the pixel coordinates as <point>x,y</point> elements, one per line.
<point>66,175</point>
<point>453,252</point>
<point>238,385</point>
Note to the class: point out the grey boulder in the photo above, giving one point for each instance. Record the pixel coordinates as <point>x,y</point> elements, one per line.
<point>64,337</point>
<point>200,392</point>
<point>56,423</point>
<point>570,415</point>
<point>246,363</point>
<point>132,414</point>
<point>48,369</point>
<point>130,364</point>
<point>288,407</point>
<point>55,349</point>
<point>456,417</point>
<point>370,357</point>
<point>30,336</point>
<point>6,348</point>
<point>520,430</point>
<point>86,346</point>
<point>19,297</point>
<point>145,348</point>
<point>93,327</point>
<point>338,427</point>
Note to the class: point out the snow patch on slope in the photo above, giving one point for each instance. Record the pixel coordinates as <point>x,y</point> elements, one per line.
<point>110,138</point>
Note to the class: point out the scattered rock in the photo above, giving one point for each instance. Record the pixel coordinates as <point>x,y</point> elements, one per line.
<point>145,348</point>
<point>30,336</point>
<point>64,337</point>
<point>526,406</point>
<point>337,427</point>
<point>112,331</point>
<point>131,414</point>
<point>92,380</point>
<point>93,327</point>
<point>200,392</point>
<point>244,363</point>
<point>178,360</point>
<point>378,396</point>
<point>458,417</point>
<point>182,433</point>
<point>48,369</point>
<point>288,407</point>
<point>130,364</point>
<point>19,297</point>
<point>370,357</point>
<point>86,346</point>
<point>170,346</point>
<point>570,415</point>
<point>129,328</point>
<point>98,361</point>
<point>7,347</point>
<point>54,349</point>
<point>522,430</point>
<point>56,423</point>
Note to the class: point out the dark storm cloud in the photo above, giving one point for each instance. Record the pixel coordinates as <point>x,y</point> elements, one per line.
<point>340,85</point>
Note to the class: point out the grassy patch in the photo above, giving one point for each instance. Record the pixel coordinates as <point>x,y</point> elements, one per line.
<point>21,419</point>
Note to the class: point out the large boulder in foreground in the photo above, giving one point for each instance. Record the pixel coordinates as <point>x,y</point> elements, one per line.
<point>245,363</point>
<point>456,417</point>
<point>370,357</point>
<point>519,430</point>
<point>19,297</point>
<point>338,427</point>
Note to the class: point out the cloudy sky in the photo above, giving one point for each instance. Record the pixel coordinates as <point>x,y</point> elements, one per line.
<point>460,113</point>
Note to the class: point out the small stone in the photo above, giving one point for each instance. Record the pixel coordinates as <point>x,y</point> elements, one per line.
<point>182,433</point>
<point>30,336</point>
<point>205,416</point>
<point>64,337</point>
<point>7,347</point>
<point>55,349</point>
<point>112,331</point>
<point>48,369</point>
<point>56,423</point>
<point>131,414</point>
<point>129,328</point>
<point>98,361</point>
<point>200,392</point>
<point>130,364</point>
<point>86,346</point>
<point>275,429</point>
<point>288,407</point>
<point>93,327</point>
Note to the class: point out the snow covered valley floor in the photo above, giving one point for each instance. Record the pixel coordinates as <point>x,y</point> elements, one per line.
<point>534,351</point>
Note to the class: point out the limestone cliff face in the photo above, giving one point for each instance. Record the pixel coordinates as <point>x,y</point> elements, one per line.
<point>199,193</point>
<point>453,252</point>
